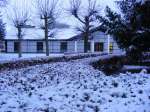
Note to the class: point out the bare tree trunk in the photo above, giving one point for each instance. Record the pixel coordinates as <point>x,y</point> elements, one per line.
<point>86,42</point>
<point>46,36</point>
<point>19,14</point>
<point>20,43</point>
<point>87,19</point>
<point>86,36</point>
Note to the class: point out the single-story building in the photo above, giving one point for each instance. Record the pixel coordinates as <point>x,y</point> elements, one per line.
<point>65,40</point>
<point>98,42</point>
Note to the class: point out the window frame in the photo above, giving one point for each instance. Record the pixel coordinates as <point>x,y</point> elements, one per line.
<point>111,47</point>
<point>89,46</point>
<point>63,47</point>
<point>16,46</point>
<point>40,47</point>
<point>99,46</point>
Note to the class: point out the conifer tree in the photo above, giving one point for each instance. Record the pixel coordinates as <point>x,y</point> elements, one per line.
<point>2,29</point>
<point>130,30</point>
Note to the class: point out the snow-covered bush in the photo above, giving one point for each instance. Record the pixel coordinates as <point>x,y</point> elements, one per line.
<point>134,54</point>
<point>43,60</point>
<point>110,65</point>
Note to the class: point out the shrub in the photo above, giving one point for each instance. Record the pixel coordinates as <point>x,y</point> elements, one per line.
<point>21,63</point>
<point>110,65</point>
<point>134,55</point>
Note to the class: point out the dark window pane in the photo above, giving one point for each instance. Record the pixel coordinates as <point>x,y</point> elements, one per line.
<point>89,46</point>
<point>99,46</point>
<point>63,47</point>
<point>5,46</point>
<point>16,47</point>
<point>39,46</point>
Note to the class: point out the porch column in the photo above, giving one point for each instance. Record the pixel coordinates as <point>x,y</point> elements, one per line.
<point>92,46</point>
<point>76,47</point>
<point>108,43</point>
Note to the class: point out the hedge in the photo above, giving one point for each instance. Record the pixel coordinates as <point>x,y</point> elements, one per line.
<point>9,65</point>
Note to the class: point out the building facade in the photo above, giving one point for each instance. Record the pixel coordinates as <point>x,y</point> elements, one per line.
<point>98,42</point>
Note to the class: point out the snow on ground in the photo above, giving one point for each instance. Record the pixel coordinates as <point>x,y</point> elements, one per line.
<point>135,67</point>
<point>14,56</point>
<point>72,87</point>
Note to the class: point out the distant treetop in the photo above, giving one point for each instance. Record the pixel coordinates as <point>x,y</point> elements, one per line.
<point>3,3</point>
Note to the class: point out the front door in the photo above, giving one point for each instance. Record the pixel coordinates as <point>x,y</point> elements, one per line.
<point>99,47</point>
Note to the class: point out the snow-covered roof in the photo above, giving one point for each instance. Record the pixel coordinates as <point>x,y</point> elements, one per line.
<point>94,30</point>
<point>36,33</point>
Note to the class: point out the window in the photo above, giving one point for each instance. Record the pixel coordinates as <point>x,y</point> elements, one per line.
<point>1,45</point>
<point>5,46</point>
<point>111,47</point>
<point>39,47</point>
<point>16,47</point>
<point>89,46</point>
<point>63,47</point>
<point>99,47</point>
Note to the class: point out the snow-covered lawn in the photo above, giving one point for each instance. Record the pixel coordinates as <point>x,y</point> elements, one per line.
<point>72,87</point>
<point>14,56</point>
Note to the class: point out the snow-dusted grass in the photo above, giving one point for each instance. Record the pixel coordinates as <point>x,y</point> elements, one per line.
<point>25,62</point>
<point>72,86</point>
<point>14,56</point>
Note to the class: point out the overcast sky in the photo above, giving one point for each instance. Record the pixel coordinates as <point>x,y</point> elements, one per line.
<point>65,18</point>
<point>63,4</point>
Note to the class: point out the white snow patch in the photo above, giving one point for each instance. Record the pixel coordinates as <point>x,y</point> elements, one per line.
<point>14,56</point>
<point>73,86</point>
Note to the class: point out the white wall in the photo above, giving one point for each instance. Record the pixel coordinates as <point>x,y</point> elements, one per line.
<point>102,37</point>
<point>71,46</point>
<point>10,46</point>
<point>30,46</point>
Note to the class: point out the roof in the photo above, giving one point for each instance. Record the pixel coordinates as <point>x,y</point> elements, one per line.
<point>80,36</point>
<point>38,34</point>
<point>33,33</point>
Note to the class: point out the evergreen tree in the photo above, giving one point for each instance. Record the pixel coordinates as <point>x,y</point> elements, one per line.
<point>131,31</point>
<point>2,24</point>
<point>114,25</point>
<point>2,30</point>
<point>136,15</point>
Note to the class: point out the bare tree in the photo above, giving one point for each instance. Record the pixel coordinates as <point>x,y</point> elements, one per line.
<point>19,15</point>
<point>86,15</point>
<point>48,14</point>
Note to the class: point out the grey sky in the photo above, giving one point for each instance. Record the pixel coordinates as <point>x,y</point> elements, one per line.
<point>62,6</point>
<point>65,18</point>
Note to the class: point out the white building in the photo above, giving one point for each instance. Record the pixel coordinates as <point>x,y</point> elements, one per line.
<point>34,43</point>
<point>65,41</point>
